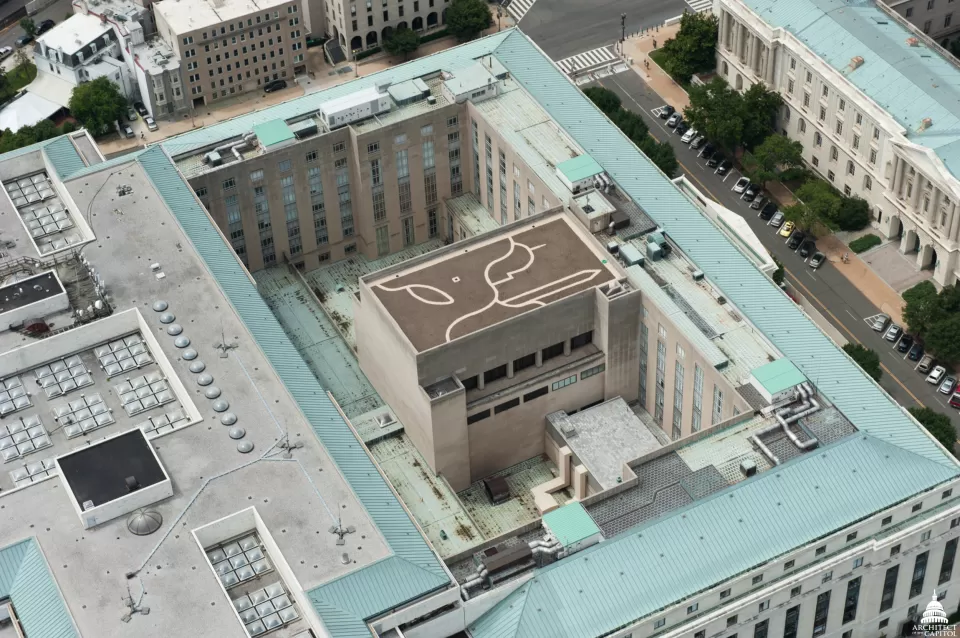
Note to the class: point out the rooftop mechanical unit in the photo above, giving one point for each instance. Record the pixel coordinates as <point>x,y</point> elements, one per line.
<point>355,107</point>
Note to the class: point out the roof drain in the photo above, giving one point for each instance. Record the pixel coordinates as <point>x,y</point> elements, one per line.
<point>808,405</point>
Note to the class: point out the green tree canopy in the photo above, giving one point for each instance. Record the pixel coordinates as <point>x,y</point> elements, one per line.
<point>853,213</point>
<point>865,358</point>
<point>778,274</point>
<point>922,307</point>
<point>775,154</point>
<point>693,49</point>
<point>605,99</point>
<point>804,218</point>
<point>467,18</point>
<point>402,42</point>
<point>758,111</point>
<point>715,112</point>
<point>97,105</point>
<point>937,424</point>
<point>28,26</point>
<point>943,337</point>
<point>822,200</point>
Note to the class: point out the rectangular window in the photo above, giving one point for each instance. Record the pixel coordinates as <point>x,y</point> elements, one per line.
<point>820,613</point>
<point>697,398</point>
<point>201,192</point>
<point>717,405</point>
<point>506,405</point>
<point>839,128</point>
<point>256,176</point>
<point>873,156</point>
<point>432,223</point>
<point>949,556</point>
<point>795,591</point>
<point>692,608</point>
<point>852,600</point>
<point>919,573</point>
<point>339,147</point>
<point>311,156</point>
<point>536,394</point>
<point>524,362</point>
<point>856,141</point>
<point>479,416</point>
<point>552,351</point>
<point>562,383</point>
<point>761,629</point>
<point>757,579</point>
<point>284,166</point>
<point>889,588</point>
<point>428,158</point>
<point>677,397</point>
<point>383,240</point>
<point>581,340</point>
<point>595,370</point>
<point>229,184</point>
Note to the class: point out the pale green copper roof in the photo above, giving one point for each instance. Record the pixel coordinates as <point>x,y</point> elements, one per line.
<point>655,565</point>
<point>63,155</point>
<point>778,375</point>
<point>579,167</point>
<point>457,57</point>
<point>570,524</point>
<point>26,579</point>
<point>273,132</point>
<point>910,83</point>
<point>414,569</point>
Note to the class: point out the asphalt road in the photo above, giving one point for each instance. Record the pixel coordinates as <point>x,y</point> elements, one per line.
<point>566,27</point>
<point>56,12</point>
<point>841,303</point>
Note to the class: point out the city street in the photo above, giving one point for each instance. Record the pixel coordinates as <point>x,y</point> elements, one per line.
<point>57,12</point>
<point>826,288</point>
<point>563,28</point>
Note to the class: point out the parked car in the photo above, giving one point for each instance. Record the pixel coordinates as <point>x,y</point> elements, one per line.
<point>906,342</point>
<point>5,52</point>
<point>807,247</point>
<point>667,111</point>
<point>768,211</point>
<point>925,364</point>
<point>759,203</point>
<point>141,109</point>
<point>689,136</point>
<point>708,150</point>
<point>948,385</point>
<point>681,128</point>
<point>795,240</point>
<point>724,167</point>
<point>955,400</point>
<point>131,114</point>
<point>45,26</point>
<point>23,40</point>
<point>937,375</point>
<point>715,159</point>
<point>751,192</point>
<point>786,229</point>
<point>741,185</point>
<point>893,333</point>
<point>777,220</point>
<point>880,322</point>
<point>151,123</point>
<point>127,131</point>
<point>674,119</point>
<point>915,352</point>
<point>817,260</point>
<point>699,141</point>
<point>276,85</point>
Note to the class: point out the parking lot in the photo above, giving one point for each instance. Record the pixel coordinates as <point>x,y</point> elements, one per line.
<point>825,287</point>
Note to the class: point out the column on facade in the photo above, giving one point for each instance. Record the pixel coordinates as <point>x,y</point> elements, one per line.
<point>954,219</point>
<point>566,347</point>
<point>933,215</point>
<point>539,358</point>
<point>510,372</point>
<point>897,175</point>
<point>771,67</point>
<point>757,51</point>
<point>751,45</point>
<point>915,195</point>
<point>725,29</point>
<point>740,42</point>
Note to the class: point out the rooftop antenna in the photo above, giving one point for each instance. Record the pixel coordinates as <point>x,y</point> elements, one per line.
<point>340,530</point>
<point>223,346</point>
<point>133,607</point>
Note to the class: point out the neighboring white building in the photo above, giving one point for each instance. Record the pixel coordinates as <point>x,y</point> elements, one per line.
<point>872,100</point>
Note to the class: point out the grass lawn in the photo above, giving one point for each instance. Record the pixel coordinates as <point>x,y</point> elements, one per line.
<point>659,56</point>
<point>22,75</point>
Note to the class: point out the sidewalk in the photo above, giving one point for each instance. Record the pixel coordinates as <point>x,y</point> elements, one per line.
<point>862,276</point>
<point>638,49</point>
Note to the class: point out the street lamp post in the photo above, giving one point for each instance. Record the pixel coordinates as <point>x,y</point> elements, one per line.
<point>623,30</point>
<point>499,14</point>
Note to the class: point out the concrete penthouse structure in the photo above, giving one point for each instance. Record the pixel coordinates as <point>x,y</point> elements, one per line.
<point>872,99</point>
<point>232,46</point>
<point>934,17</point>
<point>172,464</point>
<point>362,25</point>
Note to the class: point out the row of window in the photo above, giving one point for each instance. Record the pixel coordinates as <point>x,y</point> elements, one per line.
<point>224,29</point>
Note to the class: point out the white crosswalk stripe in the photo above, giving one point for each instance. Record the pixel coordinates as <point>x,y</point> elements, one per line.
<point>588,60</point>
<point>700,6</point>
<point>519,8</point>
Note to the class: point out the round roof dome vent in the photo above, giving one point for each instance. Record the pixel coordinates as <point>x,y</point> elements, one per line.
<point>144,522</point>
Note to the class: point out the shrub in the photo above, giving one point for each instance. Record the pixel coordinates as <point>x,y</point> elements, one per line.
<point>865,243</point>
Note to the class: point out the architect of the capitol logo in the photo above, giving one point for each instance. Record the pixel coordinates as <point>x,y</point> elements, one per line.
<point>934,620</point>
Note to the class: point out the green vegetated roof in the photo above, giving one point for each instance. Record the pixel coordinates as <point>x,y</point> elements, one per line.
<point>570,524</point>
<point>909,82</point>
<point>778,375</point>
<point>26,579</point>
<point>273,132</point>
<point>656,564</point>
<point>455,58</point>
<point>579,167</point>
<point>647,568</point>
<point>414,569</point>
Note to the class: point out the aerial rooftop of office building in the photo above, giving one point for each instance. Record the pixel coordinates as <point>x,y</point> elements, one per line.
<point>248,503</point>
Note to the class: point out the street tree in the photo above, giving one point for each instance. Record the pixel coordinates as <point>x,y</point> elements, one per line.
<point>29,26</point>
<point>715,111</point>
<point>865,358</point>
<point>758,110</point>
<point>97,104</point>
<point>853,213</point>
<point>937,424</point>
<point>693,48</point>
<point>402,42</point>
<point>467,18</point>
<point>803,218</point>
<point>922,307</point>
<point>775,154</point>
<point>822,201</point>
<point>779,273</point>
<point>943,338</point>
<point>605,99</point>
